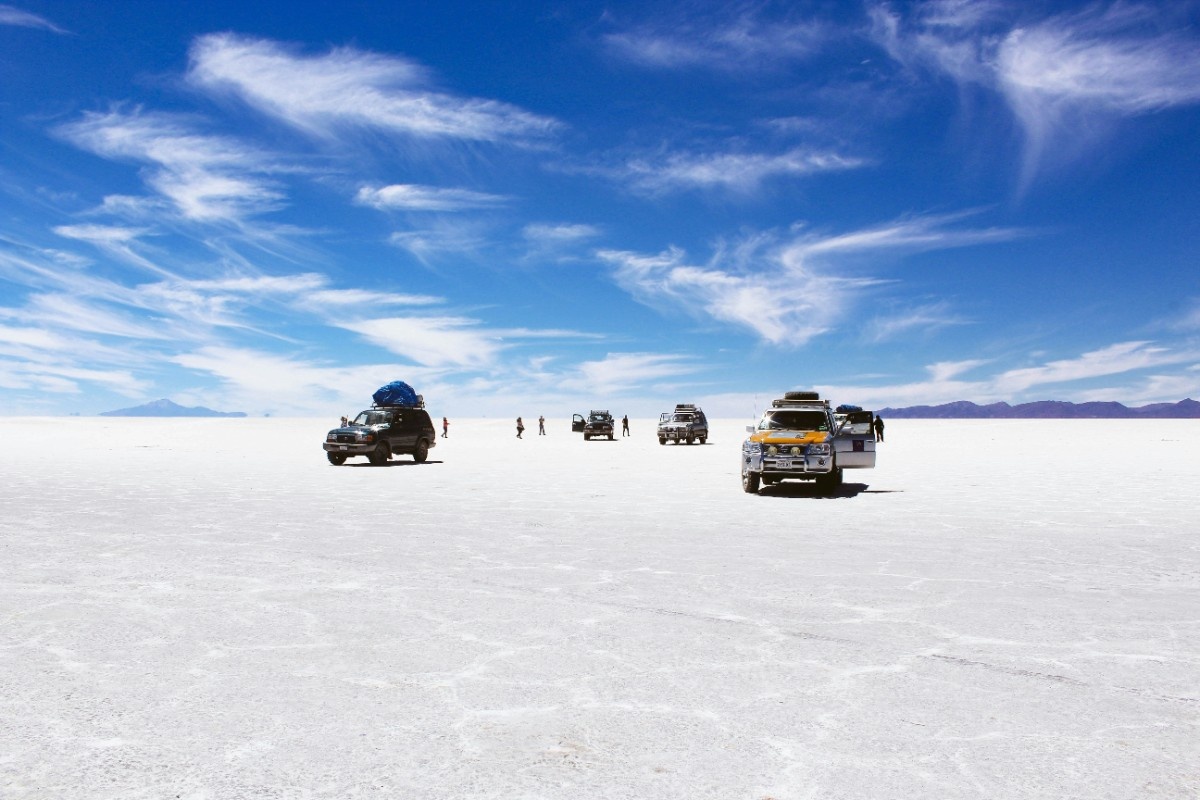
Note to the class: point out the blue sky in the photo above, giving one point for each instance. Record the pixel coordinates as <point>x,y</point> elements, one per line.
<point>544,207</point>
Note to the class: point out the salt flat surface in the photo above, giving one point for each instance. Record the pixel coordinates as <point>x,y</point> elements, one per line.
<point>207,609</point>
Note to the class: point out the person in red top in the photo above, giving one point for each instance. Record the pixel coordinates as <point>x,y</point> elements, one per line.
<point>445,427</point>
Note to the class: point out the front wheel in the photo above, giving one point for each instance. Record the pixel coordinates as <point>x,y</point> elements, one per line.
<point>587,438</point>
<point>337,459</point>
<point>691,439</point>
<point>662,440</point>
<point>750,482</point>
<point>610,437</point>
<point>380,455</point>
<point>422,452</point>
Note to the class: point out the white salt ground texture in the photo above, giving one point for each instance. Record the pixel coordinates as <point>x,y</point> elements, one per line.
<point>208,609</point>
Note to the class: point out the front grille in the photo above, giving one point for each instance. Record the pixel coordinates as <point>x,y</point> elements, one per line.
<point>345,438</point>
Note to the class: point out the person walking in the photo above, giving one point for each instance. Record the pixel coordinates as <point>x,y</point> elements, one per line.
<point>878,425</point>
<point>541,425</point>
<point>625,425</point>
<point>445,428</point>
<point>520,427</point>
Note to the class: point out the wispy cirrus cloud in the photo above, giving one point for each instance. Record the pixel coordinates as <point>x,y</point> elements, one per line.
<point>26,19</point>
<point>208,178</point>
<point>925,318</point>
<point>350,88</point>
<point>787,291</point>
<point>737,171</point>
<point>741,40</point>
<point>1061,76</point>
<point>459,343</point>
<point>948,381</point>
<point>412,197</point>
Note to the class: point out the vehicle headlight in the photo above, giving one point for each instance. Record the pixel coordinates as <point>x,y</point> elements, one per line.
<point>818,449</point>
<point>796,450</point>
<point>772,450</point>
<point>331,437</point>
<point>752,447</point>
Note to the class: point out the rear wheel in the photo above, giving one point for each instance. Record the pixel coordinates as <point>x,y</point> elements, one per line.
<point>422,452</point>
<point>750,482</point>
<point>337,459</point>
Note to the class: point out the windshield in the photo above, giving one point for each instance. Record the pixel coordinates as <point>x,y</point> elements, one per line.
<point>600,418</point>
<point>373,418</point>
<point>791,420</point>
<point>683,418</point>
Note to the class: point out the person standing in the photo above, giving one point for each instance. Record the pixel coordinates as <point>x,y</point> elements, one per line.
<point>625,425</point>
<point>541,425</point>
<point>445,428</point>
<point>878,425</point>
<point>520,427</point>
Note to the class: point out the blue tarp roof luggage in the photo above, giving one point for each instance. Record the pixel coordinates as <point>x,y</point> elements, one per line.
<point>396,393</point>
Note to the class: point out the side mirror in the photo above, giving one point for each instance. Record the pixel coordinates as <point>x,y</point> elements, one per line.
<point>750,429</point>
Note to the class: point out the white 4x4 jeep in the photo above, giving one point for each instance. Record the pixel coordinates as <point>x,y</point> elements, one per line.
<point>800,438</point>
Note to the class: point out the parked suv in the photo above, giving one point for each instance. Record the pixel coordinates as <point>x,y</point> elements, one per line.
<point>597,424</point>
<point>381,432</point>
<point>799,438</point>
<point>686,423</point>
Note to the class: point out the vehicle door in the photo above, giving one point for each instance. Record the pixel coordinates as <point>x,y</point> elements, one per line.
<point>405,425</point>
<point>577,423</point>
<point>854,442</point>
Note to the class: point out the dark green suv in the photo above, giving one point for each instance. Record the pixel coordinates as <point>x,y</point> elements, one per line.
<point>381,432</point>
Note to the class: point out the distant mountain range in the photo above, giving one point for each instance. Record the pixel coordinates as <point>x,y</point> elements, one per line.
<point>165,408</point>
<point>1046,409</point>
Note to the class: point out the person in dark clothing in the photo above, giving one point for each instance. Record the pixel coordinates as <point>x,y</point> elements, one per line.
<point>541,426</point>
<point>879,428</point>
<point>445,427</point>
<point>625,425</point>
<point>520,427</point>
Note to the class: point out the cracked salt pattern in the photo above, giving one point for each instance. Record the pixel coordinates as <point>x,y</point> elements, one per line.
<point>207,609</point>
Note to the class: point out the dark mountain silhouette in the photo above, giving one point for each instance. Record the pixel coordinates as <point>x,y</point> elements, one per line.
<point>165,408</point>
<point>1046,409</point>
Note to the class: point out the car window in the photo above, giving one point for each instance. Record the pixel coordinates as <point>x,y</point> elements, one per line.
<point>786,419</point>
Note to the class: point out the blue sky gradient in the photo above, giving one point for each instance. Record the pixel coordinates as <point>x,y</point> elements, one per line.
<point>540,208</point>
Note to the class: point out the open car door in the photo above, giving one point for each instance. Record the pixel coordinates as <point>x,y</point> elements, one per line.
<point>854,443</point>
<point>577,423</point>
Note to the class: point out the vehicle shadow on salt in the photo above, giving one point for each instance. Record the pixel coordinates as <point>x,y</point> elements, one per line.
<point>810,490</point>
<point>368,465</point>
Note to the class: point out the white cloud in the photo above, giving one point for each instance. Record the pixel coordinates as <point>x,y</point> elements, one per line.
<point>740,172</point>
<point>562,233</point>
<point>620,372</point>
<point>207,178</point>
<point>252,379</point>
<point>1041,381</point>
<point>745,41</point>
<point>922,319</point>
<point>786,293</point>
<point>411,197</point>
<point>351,88</point>
<point>25,19</point>
<point>432,341</point>
<point>1063,76</point>
<point>342,298</point>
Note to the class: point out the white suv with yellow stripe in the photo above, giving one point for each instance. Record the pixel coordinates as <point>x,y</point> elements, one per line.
<point>799,438</point>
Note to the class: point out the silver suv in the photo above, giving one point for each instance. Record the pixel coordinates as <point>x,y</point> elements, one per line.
<point>799,438</point>
<point>686,423</point>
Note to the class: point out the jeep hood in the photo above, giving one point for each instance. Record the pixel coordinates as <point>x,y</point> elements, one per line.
<point>790,437</point>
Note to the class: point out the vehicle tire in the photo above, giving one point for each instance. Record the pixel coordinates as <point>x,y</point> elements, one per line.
<point>703,439</point>
<point>801,396</point>
<point>750,482</point>
<point>587,438</point>
<point>337,459</point>
<point>691,439</point>
<point>828,484</point>
<point>610,437</point>
<point>380,454</point>
<point>422,452</point>
<point>662,440</point>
